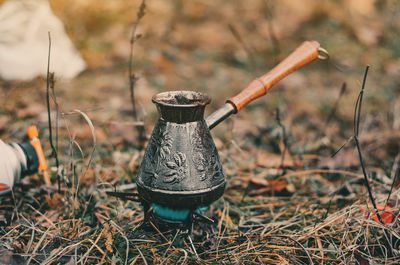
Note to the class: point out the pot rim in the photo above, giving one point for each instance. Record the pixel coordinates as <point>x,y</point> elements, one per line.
<point>199,99</point>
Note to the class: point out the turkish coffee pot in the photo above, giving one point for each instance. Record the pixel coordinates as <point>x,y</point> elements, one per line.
<point>181,172</point>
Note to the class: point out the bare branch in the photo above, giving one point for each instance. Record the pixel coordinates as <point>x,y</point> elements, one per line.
<point>357,116</point>
<point>134,37</point>
<point>50,84</point>
<point>132,77</point>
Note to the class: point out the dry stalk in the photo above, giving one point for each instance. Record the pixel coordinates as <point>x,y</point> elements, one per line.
<point>357,116</point>
<point>50,84</point>
<point>132,77</point>
<point>284,140</point>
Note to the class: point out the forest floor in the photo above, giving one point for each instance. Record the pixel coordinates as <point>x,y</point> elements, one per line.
<point>288,199</point>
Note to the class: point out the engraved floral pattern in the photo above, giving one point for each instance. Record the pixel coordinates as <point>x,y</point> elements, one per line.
<point>205,166</point>
<point>165,143</point>
<point>166,161</point>
<point>177,169</point>
<point>216,166</point>
<point>159,149</point>
<point>200,164</point>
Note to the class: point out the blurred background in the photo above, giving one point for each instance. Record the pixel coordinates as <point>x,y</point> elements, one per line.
<point>276,152</point>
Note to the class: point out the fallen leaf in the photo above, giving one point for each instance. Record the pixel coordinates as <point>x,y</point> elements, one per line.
<point>269,185</point>
<point>385,213</point>
<point>55,201</point>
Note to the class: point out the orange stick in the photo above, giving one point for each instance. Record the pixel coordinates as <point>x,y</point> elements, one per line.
<point>35,142</point>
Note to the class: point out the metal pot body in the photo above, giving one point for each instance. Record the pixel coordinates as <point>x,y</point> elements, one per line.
<point>181,167</point>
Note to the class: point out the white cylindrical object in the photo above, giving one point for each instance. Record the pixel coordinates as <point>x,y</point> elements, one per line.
<point>12,163</point>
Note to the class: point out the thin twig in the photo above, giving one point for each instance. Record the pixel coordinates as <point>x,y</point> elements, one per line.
<point>302,247</point>
<point>132,77</point>
<point>50,83</point>
<point>89,161</point>
<point>396,176</point>
<point>192,246</point>
<point>356,127</point>
<point>134,37</point>
<point>357,116</point>
<point>169,245</point>
<point>141,254</point>
<point>284,139</point>
<point>342,146</point>
<point>53,95</point>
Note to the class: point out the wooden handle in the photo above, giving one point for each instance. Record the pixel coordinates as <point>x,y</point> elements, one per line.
<point>304,54</point>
